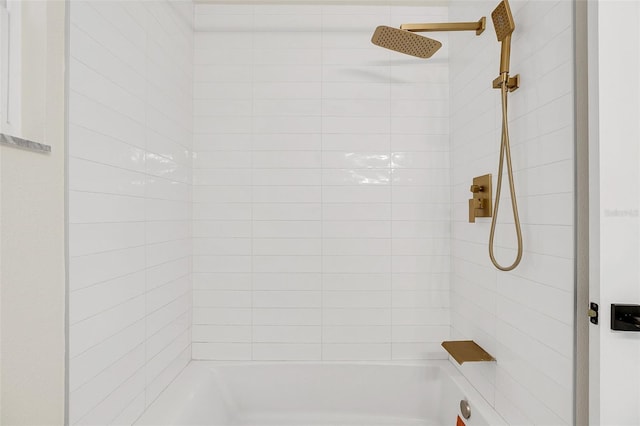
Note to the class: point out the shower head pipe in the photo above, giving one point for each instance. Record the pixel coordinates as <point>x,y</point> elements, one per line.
<point>478,27</point>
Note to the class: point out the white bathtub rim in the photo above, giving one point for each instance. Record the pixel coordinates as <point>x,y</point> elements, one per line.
<point>195,367</point>
<point>477,401</point>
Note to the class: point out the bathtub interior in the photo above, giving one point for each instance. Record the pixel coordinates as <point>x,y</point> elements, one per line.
<point>315,394</point>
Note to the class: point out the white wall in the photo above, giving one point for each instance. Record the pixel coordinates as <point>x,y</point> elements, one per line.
<point>524,317</point>
<point>32,280</point>
<point>615,202</point>
<point>130,199</point>
<point>321,186</point>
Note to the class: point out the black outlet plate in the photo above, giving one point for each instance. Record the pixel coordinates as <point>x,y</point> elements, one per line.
<point>625,317</point>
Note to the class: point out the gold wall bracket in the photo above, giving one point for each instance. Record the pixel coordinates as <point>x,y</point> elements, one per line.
<point>513,83</point>
<point>466,351</point>
<point>478,27</point>
<point>481,203</point>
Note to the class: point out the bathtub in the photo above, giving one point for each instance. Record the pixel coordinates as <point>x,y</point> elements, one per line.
<point>329,394</point>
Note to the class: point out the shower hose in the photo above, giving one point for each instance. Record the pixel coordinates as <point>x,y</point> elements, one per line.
<point>505,151</point>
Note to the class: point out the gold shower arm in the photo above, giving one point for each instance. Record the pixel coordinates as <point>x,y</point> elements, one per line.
<point>478,27</point>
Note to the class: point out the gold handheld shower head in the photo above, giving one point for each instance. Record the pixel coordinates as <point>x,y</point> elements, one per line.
<point>405,42</point>
<point>504,24</point>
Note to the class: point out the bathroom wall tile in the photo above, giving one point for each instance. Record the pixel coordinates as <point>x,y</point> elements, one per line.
<point>161,340</point>
<point>222,316</point>
<point>286,317</point>
<point>286,142</point>
<point>130,144</point>
<point>361,280</point>
<point>222,333</point>
<point>354,229</point>
<point>100,297</point>
<point>327,120</point>
<point>286,351</point>
<point>286,264</point>
<point>287,229</point>
<point>356,351</point>
<point>91,362</point>
<point>286,334</point>
<point>287,281</point>
<point>356,299</point>
<point>337,177</point>
<point>222,246</point>
<point>356,316</point>
<point>86,239</point>
<point>89,397</point>
<point>356,194</point>
<point>304,91</point>
<point>286,211</point>
<point>354,264</point>
<point>286,299</point>
<point>435,281</point>
<point>415,333</point>
<point>86,207</point>
<point>286,194</point>
<point>86,110</point>
<point>345,212</point>
<point>496,308</point>
<point>221,298</point>
<point>90,332</point>
<point>168,313</point>
<point>222,212</point>
<point>286,160</point>
<point>429,350</point>
<point>284,246</point>
<point>290,176</point>
<point>132,411</point>
<point>87,270</point>
<point>222,351</point>
<point>165,377</point>
<point>356,246</point>
<point>356,334</point>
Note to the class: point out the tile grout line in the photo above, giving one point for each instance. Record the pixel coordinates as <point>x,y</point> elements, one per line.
<point>251,165</point>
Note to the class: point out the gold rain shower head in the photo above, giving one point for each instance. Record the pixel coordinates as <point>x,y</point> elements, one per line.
<point>504,25</point>
<point>404,41</point>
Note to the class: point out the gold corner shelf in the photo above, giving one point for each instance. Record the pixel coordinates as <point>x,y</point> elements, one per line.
<point>466,351</point>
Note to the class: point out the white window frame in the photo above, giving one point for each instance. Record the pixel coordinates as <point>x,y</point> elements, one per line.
<point>10,66</point>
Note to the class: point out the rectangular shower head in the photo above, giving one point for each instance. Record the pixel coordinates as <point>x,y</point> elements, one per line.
<point>405,42</point>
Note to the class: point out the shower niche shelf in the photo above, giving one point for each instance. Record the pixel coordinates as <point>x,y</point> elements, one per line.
<point>466,351</point>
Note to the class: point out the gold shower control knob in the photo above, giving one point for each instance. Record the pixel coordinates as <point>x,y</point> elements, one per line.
<point>476,188</point>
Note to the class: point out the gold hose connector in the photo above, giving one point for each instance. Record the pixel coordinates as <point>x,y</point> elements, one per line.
<point>505,151</point>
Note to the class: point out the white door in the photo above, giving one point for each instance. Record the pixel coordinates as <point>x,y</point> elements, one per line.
<point>614,168</point>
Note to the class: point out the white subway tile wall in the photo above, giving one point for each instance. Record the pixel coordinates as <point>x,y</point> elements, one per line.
<point>275,187</point>
<point>524,317</point>
<point>130,138</point>
<point>321,186</point>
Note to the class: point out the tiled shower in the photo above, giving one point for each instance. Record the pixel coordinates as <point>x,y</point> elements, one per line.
<point>259,182</point>
<point>320,187</point>
<point>130,138</point>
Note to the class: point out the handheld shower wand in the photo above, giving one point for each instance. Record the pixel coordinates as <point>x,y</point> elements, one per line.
<point>505,25</point>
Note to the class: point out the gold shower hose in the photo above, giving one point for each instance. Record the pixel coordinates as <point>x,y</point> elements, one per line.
<point>505,150</point>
